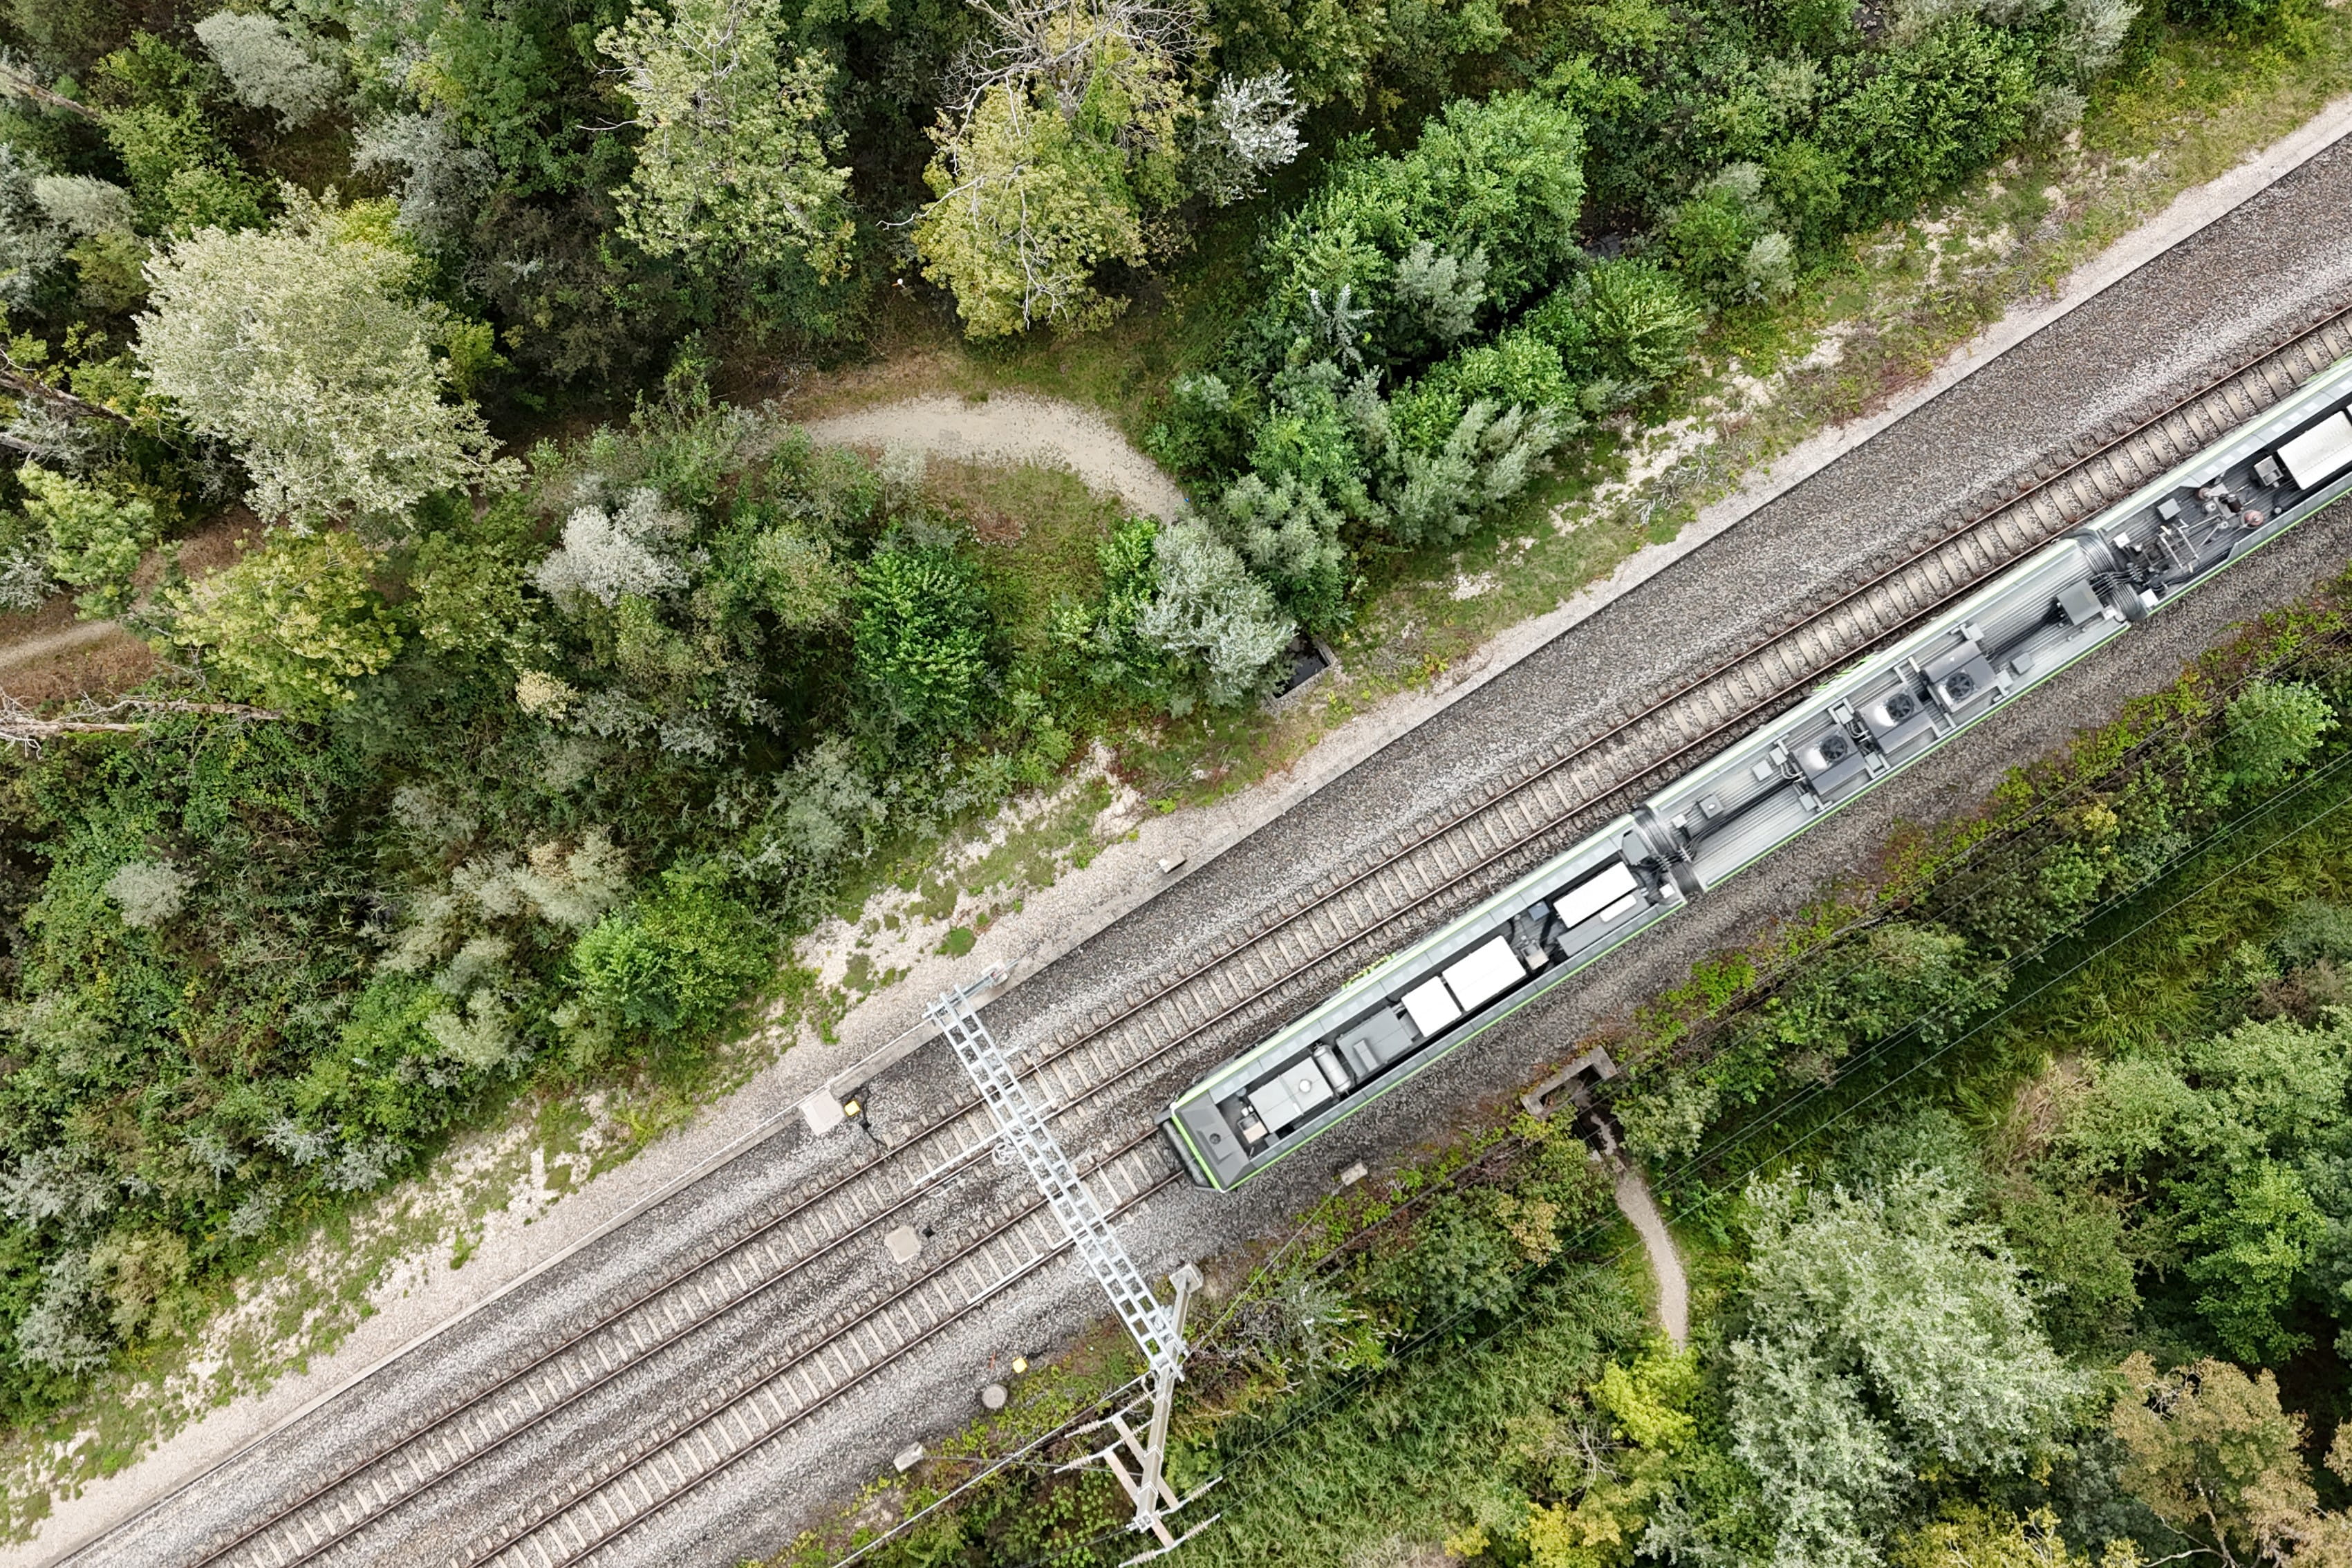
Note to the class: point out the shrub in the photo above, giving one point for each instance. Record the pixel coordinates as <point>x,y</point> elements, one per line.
<point>674,961</point>
<point>1520,369</point>
<point>1912,121</point>
<point>1500,180</point>
<point>149,892</point>
<point>920,636</point>
<point>32,244</point>
<point>1712,235</point>
<point>1643,326</point>
<point>95,539</point>
<point>1289,532</point>
<point>612,553</point>
<point>1248,126</point>
<point>2246,16</point>
<point>295,622</point>
<point>1491,454</point>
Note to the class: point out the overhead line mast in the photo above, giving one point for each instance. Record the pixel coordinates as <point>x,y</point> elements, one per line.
<point>1158,1330</point>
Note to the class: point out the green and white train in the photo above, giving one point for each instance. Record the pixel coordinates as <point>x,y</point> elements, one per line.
<point>2096,583</point>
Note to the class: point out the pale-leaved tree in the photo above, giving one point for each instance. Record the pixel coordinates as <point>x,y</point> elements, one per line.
<point>733,164</point>
<point>442,181</point>
<point>1887,1335</point>
<point>32,244</point>
<point>301,346</point>
<point>82,205</point>
<point>1210,610</point>
<point>269,66</point>
<point>610,554</point>
<point>1249,125</point>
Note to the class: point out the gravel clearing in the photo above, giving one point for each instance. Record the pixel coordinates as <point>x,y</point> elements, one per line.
<point>1012,429</point>
<point>2157,335</point>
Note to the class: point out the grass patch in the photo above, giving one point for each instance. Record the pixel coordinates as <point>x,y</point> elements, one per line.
<point>1038,529</point>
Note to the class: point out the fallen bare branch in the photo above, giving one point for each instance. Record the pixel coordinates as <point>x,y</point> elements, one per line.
<point>26,729</point>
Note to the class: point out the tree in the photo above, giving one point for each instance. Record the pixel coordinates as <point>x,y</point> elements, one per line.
<point>1968,1535</point>
<point>1068,129</point>
<point>920,634</point>
<point>1500,180</point>
<point>269,66</point>
<point>1248,126</point>
<point>2259,1235</point>
<point>1886,1334</point>
<point>1211,610</point>
<point>299,346</point>
<point>1026,209</point>
<point>732,166</point>
<point>295,620</point>
<point>2219,1463</point>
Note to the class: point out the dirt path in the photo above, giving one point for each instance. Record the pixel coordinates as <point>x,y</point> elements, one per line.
<point>35,649</point>
<point>1665,1263</point>
<point>1012,427</point>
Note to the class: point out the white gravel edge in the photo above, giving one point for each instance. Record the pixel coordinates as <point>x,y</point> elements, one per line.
<point>1086,901</point>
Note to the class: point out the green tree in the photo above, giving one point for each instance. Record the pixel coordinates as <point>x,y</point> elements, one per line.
<point>300,347</point>
<point>732,166</point>
<point>297,621</point>
<point>2272,727</point>
<point>1975,1535</point>
<point>154,103</point>
<point>95,539</point>
<point>1911,121</point>
<point>1027,205</point>
<point>2258,1234</point>
<point>920,634</point>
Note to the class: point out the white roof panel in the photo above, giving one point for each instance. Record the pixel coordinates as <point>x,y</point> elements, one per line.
<point>1484,974</point>
<point>1624,906</point>
<point>1432,1006</point>
<point>1595,893</point>
<point>2320,453</point>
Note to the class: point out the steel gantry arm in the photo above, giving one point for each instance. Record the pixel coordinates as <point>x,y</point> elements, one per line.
<point>1158,1330</point>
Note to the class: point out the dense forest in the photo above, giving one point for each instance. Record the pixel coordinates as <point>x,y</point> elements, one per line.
<point>2012,1186</point>
<point>549,690</point>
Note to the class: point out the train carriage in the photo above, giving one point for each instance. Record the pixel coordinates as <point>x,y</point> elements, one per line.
<point>2035,618</point>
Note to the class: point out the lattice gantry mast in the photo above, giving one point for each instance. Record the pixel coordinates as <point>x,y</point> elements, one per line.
<point>1158,1330</point>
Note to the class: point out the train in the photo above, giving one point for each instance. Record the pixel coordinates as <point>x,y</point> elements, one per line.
<point>2094,583</point>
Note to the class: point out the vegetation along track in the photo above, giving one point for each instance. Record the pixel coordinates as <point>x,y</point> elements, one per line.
<point>1250,981</point>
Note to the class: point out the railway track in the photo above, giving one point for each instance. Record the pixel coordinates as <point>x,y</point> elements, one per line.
<point>1248,982</point>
